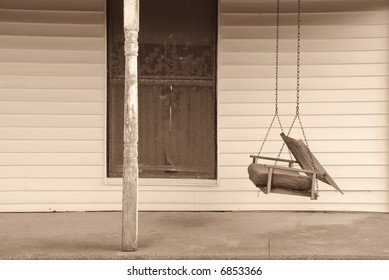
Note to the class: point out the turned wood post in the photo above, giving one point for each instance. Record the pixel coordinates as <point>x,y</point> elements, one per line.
<point>130,154</point>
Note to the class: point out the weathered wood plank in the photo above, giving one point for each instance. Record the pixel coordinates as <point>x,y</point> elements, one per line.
<point>52,95</point>
<point>93,172</point>
<point>68,5</point>
<point>341,133</point>
<point>44,29</point>
<point>376,171</point>
<point>51,133</point>
<point>51,146</point>
<point>51,43</point>
<point>52,159</point>
<point>334,18</point>
<point>289,45</point>
<point>327,158</point>
<point>309,31</point>
<point>52,69</point>
<point>130,151</point>
<point>327,146</point>
<point>307,83</point>
<point>287,71</point>
<point>324,95</point>
<point>312,121</point>
<point>51,16</point>
<point>52,56</point>
<point>323,109</point>
<point>52,82</point>
<point>51,108</point>
<point>237,57</point>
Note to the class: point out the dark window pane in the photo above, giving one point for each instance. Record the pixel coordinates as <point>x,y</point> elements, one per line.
<point>177,128</point>
<point>177,104</point>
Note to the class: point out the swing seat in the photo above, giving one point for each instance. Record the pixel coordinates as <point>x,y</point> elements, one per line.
<point>289,180</point>
<point>258,174</point>
<point>282,180</point>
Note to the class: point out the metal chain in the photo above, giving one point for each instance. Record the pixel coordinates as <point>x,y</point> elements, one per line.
<point>277,65</point>
<point>276,115</point>
<point>277,55</point>
<point>297,115</point>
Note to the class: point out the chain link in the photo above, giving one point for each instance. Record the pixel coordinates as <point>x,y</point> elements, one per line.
<point>277,56</point>
<point>276,115</point>
<point>298,90</point>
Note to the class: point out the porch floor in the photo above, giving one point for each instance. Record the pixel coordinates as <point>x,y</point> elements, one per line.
<point>197,235</point>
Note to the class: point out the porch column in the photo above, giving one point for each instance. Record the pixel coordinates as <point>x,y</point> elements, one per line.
<point>130,154</point>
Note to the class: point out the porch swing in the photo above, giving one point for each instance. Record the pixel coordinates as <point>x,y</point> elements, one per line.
<point>273,178</point>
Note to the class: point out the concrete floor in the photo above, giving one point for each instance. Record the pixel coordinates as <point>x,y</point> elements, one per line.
<point>197,235</point>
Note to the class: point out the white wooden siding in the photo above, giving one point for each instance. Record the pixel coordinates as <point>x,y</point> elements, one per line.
<point>52,106</point>
<point>344,98</point>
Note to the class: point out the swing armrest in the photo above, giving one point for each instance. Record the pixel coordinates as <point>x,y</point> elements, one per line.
<point>290,161</point>
<point>294,169</point>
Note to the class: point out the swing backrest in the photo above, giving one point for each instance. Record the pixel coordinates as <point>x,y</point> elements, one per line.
<point>307,160</point>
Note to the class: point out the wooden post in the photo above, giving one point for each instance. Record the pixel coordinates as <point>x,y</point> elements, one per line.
<point>130,154</point>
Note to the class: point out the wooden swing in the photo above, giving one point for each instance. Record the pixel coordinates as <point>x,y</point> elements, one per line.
<point>272,178</point>
<point>289,180</point>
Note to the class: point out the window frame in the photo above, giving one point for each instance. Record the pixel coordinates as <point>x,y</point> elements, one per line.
<point>175,181</point>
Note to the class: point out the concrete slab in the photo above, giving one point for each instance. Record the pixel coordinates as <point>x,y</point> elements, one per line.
<point>197,235</point>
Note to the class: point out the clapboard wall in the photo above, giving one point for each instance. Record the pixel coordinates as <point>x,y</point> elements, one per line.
<point>53,106</point>
<point>344,95</point>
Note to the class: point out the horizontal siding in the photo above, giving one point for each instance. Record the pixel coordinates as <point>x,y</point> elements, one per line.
<point>344,99</point>
<point>13,120</point>
<point>39,29</point>
<point>52,56</point>
<point>348,184</point>
<point>51,82</point>
<point>36,16</point>
<point>313,45</point>
<point>335,121</point>
<point>52,105</point>
<point>331,108</point>
<point>41,69</point>
<point>52,159</point>
<point>310,32</point>
<point>51,133</point>
<point>309,58</point>
<point>251,18</point>
<point>50,171</point>
<point>68,5</point>
<point>312,83</point>
<point>328,159</point>
<point>51,146</point>
<point>289,6</point>
<point>51,42</point>
<point>375,171</point>
<point>52,108</point>
<point>324,146</point>
<point>324,95</point>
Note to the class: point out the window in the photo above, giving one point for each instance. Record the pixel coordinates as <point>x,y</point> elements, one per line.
<point>177,88</point>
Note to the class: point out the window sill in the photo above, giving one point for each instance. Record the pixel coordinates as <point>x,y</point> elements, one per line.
<point>153,182</point>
